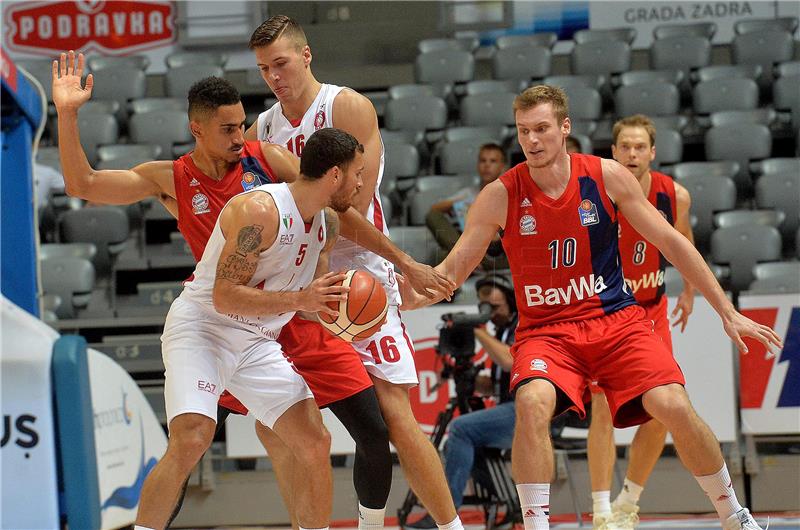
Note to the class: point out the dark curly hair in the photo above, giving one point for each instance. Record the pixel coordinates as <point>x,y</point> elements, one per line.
<point>327,148</point>
<point>210,93</point>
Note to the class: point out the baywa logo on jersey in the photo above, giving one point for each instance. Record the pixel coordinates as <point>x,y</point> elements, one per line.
<point>527,225</point>
<point>287,220</point>
<point>200,204</point>
<point>319,120</point>
<point>248,181</point>
<point>588,213</point>
<point>538,365</point>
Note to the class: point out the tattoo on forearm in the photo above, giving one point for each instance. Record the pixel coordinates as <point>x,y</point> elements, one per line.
<point>331,226</point>
<point>249,239</point>
<point>236,269</point>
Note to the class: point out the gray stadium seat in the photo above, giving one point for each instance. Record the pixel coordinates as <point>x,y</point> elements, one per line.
<point>585,142</point>
<point>673,77</point>
<point>179,80</point>
<point>388,208</point>
<point>420,202</point>
<point>416,241</point>
<point>788,68</point>
<point>776,165</point>
<point>669,147</point>
<point>490,86</point>
<point>781,192</point>
<point>546,39</point>
<point>720,168</point>
<point>788,24</point>
<point>107,227</point>
<point>402,136</point>
<point>786,95</point>
<point>626,35</point>
<point>652,99</point>
<point>42,71</point>
<point>741,142</point>
<point>763,116</point>
<point>64,250</point>
<point>680,53</point>
<point>763,271</point>
<point>582,127</point>
<point>488,109</point>
<point>449,182</point>
<point>725,94</point>
<point>184,58</point>
<point>102,106</point>
<point>413,90</point>
<point>416,114</point>
<point>673,281</point>
<point>522,62</point>
<point>48,156</point>
<point>124,162</point>
<point>100,62</point>
<point>675,122</point>
<point>789,283</point>
<point>146,151</point>
<point>165,128</point>
<point>461,157</point>
<point>601,58</point>
<point>70,278</point>
<point>797,243</point>
<point>586,81</point>
<point>466,44</point>
<point>97,129</point>
<point>486,134</point>
<point>584,103</point>
<point>728,71</point>
<point>151,104</point>
<point>746,217</point>
<point>710,194</point>
<point>765,47</point>
<point>698,29</point>
<point>444,67</point>
<point>400,161</point>
<point>122,85</point>
<point>741,247</point>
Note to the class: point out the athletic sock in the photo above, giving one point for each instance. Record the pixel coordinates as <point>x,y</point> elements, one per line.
<point>370,518</point>
<point>140,527</point>
<point>322,528</point>
<point>719,488</point>
<point>630,493</point>
<point>535,502</point>
<point>601,502</point>
<point>455,524</point>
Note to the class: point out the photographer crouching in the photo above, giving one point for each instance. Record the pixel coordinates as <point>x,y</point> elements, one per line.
<point>492,427</point>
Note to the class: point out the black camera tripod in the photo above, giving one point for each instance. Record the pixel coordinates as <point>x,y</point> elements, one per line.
<point>494,488</point>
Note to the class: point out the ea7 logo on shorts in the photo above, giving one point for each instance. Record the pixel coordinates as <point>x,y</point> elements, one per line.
<point>538,365</point>
<point>205,386</point>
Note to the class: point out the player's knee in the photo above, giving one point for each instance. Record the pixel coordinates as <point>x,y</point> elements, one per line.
<point>186,447</point>
<point>535,408</point>
<point>315,450</point>
<point>669,404</point>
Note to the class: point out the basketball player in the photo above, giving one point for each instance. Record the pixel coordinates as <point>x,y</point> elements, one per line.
<point>194,189</point>
<point>634,147</point>
<point>578,320</point>
<point>304,106</point>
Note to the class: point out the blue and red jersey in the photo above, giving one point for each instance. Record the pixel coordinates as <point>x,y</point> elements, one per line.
<point>563,252</point>
<point>200,198</point>
<point>642,262</point>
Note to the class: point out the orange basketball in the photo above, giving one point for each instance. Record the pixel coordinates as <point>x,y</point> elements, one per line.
<point>364,311</point>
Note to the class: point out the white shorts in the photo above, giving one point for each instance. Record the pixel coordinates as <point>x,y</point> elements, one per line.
<point>389,353</point>
<point>204,354</point>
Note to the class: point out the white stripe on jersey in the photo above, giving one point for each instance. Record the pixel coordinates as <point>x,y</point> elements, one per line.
<point>273,127</point>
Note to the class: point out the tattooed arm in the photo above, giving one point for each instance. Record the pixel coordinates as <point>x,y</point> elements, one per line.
<point>331,235</point>
<point>250,226</point>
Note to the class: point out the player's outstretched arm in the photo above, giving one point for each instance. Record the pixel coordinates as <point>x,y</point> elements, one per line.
<point>625,191</point>
<point>422,278</point>
<point>685,304</point>
<point>486,216</point>
<point>250,225</point>
<point>151,179</point>
<point>355,114</point>
<point>285,166</point>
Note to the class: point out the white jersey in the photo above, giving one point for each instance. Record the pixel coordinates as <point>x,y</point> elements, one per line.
<point>274,127</point>
<point>287,265</point>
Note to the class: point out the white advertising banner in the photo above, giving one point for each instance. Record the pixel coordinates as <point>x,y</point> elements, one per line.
<point>645,16</point>
<point>28,456</point>
<point>128,439</point>
<point>770,387</point>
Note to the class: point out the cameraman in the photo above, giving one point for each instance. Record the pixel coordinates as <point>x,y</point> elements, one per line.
<point>492,427</point>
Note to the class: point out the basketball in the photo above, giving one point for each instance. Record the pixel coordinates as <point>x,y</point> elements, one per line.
<point>364,311</point>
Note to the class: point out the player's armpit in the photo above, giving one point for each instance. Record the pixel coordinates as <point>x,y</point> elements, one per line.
<point>285,166</point>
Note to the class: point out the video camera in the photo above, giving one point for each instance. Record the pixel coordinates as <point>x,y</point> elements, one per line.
<point>457,335</point>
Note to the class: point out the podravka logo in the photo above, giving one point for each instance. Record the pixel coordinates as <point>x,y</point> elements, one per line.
<point>115,28</point>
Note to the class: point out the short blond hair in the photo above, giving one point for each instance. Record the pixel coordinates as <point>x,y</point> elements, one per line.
<point>535,95</point>
<point>637,120</point>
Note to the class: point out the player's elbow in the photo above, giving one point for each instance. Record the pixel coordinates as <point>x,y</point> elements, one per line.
<point>77,186</point>
<point>221,299</point>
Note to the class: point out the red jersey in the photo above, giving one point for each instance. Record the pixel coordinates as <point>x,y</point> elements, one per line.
<point>563,252</point>
<point>642,262</point>
<point>201,198</point>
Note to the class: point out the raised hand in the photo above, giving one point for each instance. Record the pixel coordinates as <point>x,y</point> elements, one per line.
<point>323,290</point>
<point>427,281</point>
<point>683,309</point>
<point>68,93</point>
<point>740,326</point>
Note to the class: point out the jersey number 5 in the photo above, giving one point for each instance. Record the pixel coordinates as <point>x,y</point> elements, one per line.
<point>301,254</point>
<point>295,145</point>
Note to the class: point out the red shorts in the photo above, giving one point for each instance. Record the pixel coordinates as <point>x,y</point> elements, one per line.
<point>330,366</point>
<point>620,351</point>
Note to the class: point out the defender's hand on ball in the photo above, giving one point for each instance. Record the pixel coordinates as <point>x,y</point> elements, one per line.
<point>323,293</point>
<point>68,93</point>
<point>739,327</point>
